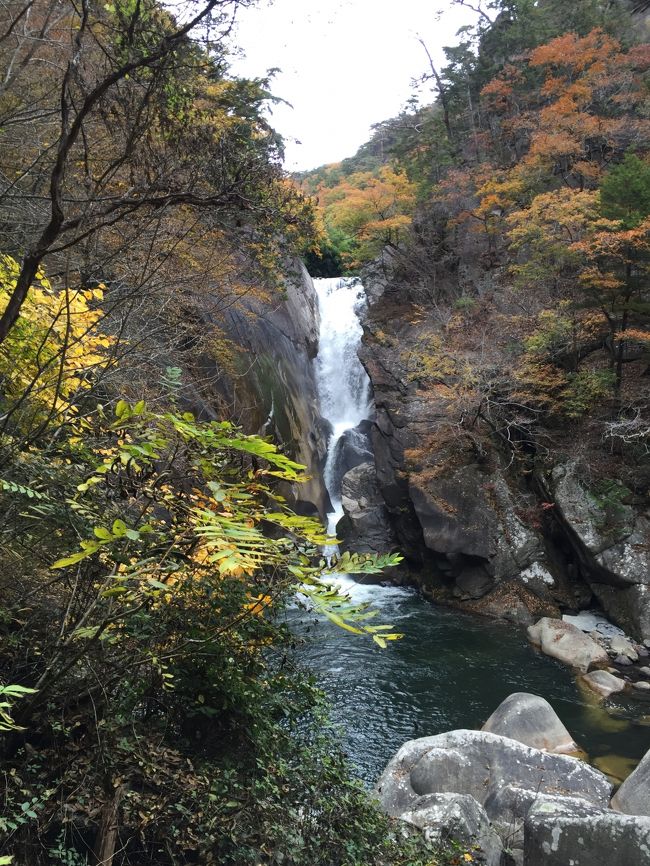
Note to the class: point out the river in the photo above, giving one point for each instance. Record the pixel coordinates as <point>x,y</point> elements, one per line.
<point>450,670</point>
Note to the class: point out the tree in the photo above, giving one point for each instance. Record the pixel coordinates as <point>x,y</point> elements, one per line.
<point>136,117</point>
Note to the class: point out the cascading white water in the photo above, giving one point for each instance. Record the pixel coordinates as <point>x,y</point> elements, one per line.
<point>343,384</point>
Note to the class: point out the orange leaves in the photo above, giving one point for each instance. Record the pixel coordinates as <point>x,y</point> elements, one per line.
<point>572,54</point>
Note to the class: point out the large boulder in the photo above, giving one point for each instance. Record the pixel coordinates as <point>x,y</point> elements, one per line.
<point>558,834</point>
<point>568,644</point>
<point>478,763</point>
<point>530,720</point>
<point>457,818</point>
<point>365,526</point>
<point>633,797</point>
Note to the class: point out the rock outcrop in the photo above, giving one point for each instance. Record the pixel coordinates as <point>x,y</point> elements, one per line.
<point>480,764</point>
<point>557,834</point>
<point>514,537</point>
<point>520,804</point>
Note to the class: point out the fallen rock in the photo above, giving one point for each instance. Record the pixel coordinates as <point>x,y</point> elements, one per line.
<point>568,644</point>
<point>633,797</point>
<point>457,818</point>
<point>557,833</point>
<point>604,683</point>
<point>530,720</point>
<point>478,763</point>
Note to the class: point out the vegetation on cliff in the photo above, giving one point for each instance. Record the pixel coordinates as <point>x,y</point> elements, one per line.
<point>523,266</point>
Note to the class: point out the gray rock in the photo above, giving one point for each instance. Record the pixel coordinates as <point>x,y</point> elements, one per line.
<point>633,797</point>
<point>457,818</point>
<point>478,763</point>
<point>604,683</point>
<point>630,607</point>
<point>557,833</point>
<point>622,646</point>
<point>565,642</point>
<point>530,720</point>
<point>645,670</point>
<point>622,660</point>
<point>508,807</point>
<point>642,686</point>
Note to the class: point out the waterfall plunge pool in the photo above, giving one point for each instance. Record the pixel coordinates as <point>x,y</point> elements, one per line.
<point>450,670</point>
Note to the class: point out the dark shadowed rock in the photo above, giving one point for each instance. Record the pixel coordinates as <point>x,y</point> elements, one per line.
<point>365,526</point>
<point>557,833</point>
<point>568,644</point>
<point>530,720</point>
<point>633,797</point>
<point>457,818</point>
<point>352,449</point>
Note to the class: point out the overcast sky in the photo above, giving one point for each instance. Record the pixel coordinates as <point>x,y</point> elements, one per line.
<point>346,64</point>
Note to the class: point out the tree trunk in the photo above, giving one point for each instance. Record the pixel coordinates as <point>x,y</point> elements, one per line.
<point>107,835</point>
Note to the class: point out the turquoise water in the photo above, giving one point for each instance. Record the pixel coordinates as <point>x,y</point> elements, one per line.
<point>451,671</point>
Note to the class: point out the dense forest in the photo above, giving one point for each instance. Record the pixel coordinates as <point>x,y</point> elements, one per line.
<point>151,711</point>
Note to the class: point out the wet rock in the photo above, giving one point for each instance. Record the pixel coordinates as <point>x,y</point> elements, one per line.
<point>365,526</point>
<point>624,661</point>
<point>558,833</point>
<point>642,686</point>
<point>530,720</point>
<point>604,683</point>
<point>457,818</point>
<point>645,670</point>
<point>352,449</point>
<point>568,644</point>
<point>479,763</point>
<point>633,797</point>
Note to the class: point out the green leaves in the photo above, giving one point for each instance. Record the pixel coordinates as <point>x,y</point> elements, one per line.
<point>8,695</point>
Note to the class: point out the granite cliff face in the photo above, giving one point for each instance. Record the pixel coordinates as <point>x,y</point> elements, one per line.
<point>515,535</point>
<point>269,386</point>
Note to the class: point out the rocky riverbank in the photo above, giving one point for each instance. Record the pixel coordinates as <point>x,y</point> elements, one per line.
<point>512,796</point>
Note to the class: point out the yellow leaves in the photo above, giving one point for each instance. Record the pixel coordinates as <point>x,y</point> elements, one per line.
<point>56,348</point>
<point>258,604</point>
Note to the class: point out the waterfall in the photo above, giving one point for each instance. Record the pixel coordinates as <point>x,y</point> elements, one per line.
<point>343,384</point>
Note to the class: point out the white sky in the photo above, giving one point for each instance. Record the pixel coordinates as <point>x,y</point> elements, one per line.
<point>346,64</point>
